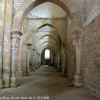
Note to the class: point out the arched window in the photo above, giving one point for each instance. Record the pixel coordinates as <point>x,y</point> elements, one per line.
<point>47,54</point>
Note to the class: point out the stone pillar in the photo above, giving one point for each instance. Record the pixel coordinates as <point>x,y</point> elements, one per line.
<point>77,42</point>
<point>19,71</point>
<point>59,61</point>
<point>37,60</point>
<point>64,61</point>
<point>7,42</point>
<point>33,59</point>
<point>24,61</point>
<point>34,62</point>
<point>15,43</point>
<point>55,61</point>
<point>28,46</point>
<point>52,58</point>
<point>2,20</point>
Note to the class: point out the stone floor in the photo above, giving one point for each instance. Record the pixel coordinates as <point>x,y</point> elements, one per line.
<point>45,83</point>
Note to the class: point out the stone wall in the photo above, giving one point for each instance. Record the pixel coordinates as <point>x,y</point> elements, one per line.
<point>91,10</point>
<point>16,5</point>
<point>79,5</point>
<point>91,57</point>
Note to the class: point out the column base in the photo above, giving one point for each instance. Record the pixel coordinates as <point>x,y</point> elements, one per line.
<point>77,81</point>
<point>19,73</point>
<point>14,82</point>
<point>6,79</point>
<point>36,67</point>
<point>24,73</point>
<point>33,68</point>
<point>64,73</point>
<point>1,84</point>
<point>58,69</point>
<point>7,83</point>
<point>28,73</point>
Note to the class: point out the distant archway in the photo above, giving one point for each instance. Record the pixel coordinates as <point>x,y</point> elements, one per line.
<point>47,54</point>
<point>47,57</point>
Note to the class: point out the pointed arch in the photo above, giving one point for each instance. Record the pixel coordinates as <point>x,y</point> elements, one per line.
<point>50,37</point>
<point>47,24</point>
<point>49,43</point>
<point>67,5</point>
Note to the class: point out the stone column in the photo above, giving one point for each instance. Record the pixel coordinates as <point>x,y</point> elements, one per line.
<point>77,42</point>
<point>24,61</point>
<point>19,71</point>
<point>33,58</point>
<point>28,46</point>
<point>37,60</point>
<point>7,42</point>
<point>2,21</point>
<point>15,43</point>
<point>55,61</point>
<point>59,61</point>
<point>52,60</point>
<point>65,62</point>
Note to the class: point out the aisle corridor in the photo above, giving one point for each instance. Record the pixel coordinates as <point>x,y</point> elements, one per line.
<point>46,81</point>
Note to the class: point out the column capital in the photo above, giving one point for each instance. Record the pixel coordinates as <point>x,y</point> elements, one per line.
<point>28,44</point>
<point>77,36</point>
<point>16,34</point>
<point>34,50</point>
<point>37,53</point>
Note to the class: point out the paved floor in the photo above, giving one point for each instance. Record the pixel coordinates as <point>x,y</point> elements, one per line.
<point>45,84</point>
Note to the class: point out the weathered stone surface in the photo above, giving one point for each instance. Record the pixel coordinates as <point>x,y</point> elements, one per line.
<point>73,38</point>
<point>90,58</point>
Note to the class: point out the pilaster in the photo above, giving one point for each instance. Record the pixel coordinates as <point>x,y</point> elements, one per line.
<point>77,41</point>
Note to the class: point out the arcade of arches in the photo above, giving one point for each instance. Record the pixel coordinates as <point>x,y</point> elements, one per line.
<point>60,36</point>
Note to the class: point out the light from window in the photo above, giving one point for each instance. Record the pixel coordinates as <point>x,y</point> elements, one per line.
<point>47,54</point>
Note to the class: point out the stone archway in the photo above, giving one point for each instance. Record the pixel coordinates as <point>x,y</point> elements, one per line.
<point>47,61</point>
<point>48,36</point>
<point>65,4</point>
<point>62,36</point>
<point>29,5</point>
<point>47,46</point>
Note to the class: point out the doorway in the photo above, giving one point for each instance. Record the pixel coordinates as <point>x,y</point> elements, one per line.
<point>47,57</point>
